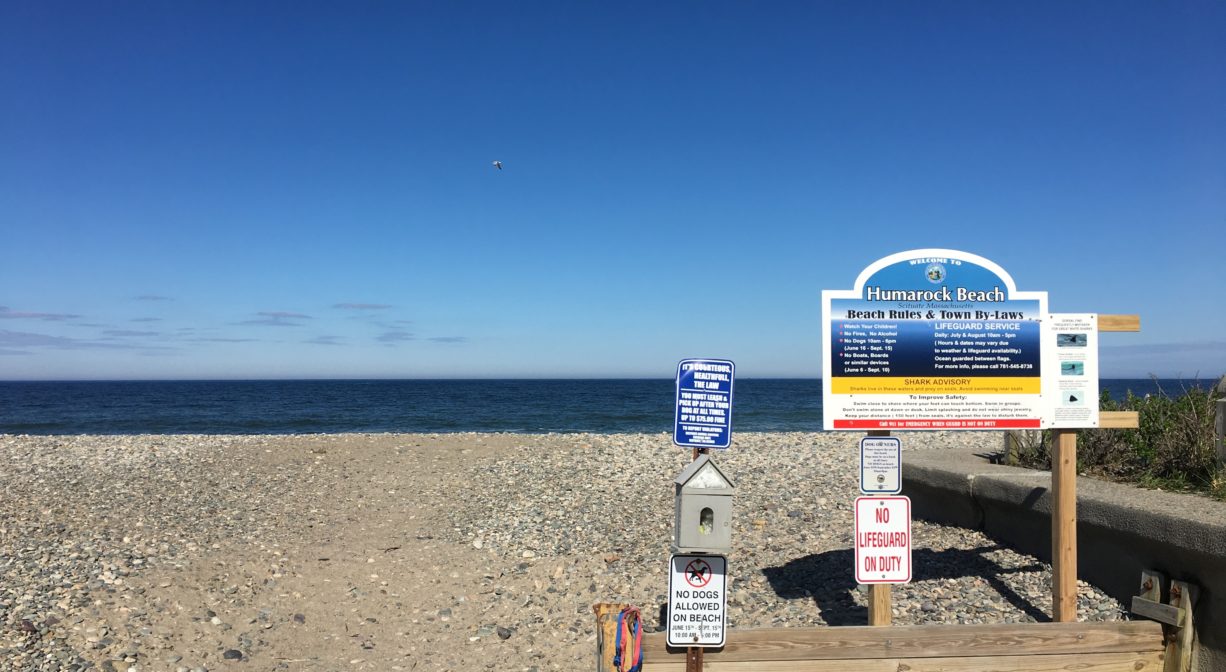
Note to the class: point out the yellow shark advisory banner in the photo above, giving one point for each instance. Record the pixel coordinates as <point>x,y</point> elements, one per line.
<point>936,385</point>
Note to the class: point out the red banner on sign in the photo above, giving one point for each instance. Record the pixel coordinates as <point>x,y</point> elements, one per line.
<point>1024,423</point>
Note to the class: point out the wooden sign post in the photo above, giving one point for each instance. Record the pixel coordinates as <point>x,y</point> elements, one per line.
<point>1064,492</point>
<point>1064,526</point>
<point>693,654</point>
<point>880,611</point>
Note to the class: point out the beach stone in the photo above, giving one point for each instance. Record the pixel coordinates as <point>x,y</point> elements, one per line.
<point>311,548</point>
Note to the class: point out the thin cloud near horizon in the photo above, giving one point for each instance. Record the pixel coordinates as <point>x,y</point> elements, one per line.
<point>393,337</point>
<point>362,306</point>
<point>10,314</point>
<point>31,340</point>
<point>129,333</point>
<point>277,318</point>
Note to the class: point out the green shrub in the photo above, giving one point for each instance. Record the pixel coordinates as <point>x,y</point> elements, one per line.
<point>1029,448</point>
<point>1173,446</point>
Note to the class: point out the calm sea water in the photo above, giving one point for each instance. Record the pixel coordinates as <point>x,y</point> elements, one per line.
<point>332,406</point>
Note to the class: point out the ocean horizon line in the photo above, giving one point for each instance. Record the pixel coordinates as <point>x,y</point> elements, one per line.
<point>316,379</point>
<point>529,405</point>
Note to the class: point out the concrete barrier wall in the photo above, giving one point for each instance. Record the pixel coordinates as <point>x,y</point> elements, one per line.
<point>1121,530</point>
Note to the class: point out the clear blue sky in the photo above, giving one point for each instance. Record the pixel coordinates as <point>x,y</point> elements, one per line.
<point>251,190</point>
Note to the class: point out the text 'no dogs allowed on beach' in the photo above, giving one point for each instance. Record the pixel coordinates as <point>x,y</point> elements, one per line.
<point>697,600</point>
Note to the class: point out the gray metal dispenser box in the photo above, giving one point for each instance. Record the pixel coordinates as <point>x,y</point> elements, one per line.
<point>704,509</point>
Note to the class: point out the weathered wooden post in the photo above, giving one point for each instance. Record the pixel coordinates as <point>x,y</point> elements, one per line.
<point>880,610</point>
<point>1178,629</point>
<point>1064,526</point>
<point>606,633</point>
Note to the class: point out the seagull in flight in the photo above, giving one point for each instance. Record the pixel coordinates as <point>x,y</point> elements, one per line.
<point>498,165</point>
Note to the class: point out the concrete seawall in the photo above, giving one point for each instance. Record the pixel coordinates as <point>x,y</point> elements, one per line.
<point>1121,530</point>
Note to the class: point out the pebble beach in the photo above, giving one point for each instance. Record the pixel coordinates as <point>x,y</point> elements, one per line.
<point>456,551</point>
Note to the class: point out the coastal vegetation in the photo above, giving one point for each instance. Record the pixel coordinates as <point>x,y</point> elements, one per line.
<point>1172,449</point>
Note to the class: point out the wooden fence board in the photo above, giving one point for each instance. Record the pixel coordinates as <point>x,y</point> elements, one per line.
<point>1119,322</point>
<point>1147,661</point>
<point>922,641</point>
<point>1119,419</point>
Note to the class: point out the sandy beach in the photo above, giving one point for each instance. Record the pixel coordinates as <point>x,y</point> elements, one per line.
<point>434,551</point>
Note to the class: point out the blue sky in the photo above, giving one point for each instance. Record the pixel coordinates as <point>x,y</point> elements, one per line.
<point>271,190</point>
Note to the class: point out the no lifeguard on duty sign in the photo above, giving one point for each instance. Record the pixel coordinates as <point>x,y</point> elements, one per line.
<point>883,540</point>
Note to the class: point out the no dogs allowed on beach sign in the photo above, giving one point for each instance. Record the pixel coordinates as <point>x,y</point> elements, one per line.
<point>697,600</point>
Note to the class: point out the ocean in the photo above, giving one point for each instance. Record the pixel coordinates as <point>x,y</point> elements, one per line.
<point>335,406</point>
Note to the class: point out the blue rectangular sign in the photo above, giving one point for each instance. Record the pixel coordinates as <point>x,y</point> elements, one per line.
<point>704,403</point>
<point>933,339</point>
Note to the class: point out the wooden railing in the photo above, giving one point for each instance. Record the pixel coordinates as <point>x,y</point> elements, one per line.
<point>1030,647</point>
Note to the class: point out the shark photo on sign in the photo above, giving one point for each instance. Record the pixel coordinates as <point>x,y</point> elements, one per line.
<point>1071,340</point>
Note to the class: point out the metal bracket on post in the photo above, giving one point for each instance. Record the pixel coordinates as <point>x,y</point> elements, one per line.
<point>693,659</point>
<point>1175,617</point>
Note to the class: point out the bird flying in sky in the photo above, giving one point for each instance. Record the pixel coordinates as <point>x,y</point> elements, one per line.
<point>498,165</point>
